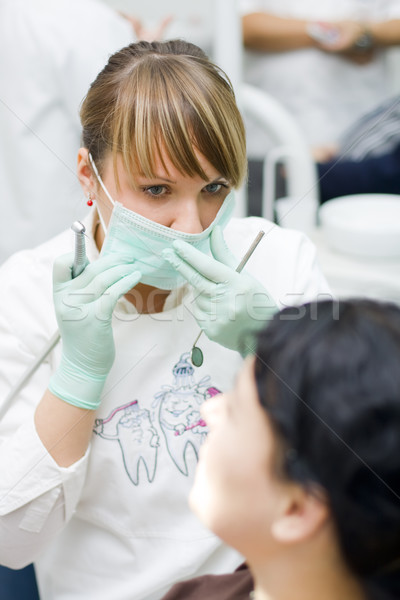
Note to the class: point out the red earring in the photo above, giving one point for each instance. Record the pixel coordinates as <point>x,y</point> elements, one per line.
<point>89,200</point>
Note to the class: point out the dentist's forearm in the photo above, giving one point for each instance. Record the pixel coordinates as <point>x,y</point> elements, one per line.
<point>64,429</point>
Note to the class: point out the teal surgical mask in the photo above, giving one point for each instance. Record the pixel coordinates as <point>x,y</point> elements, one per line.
<point>134,237</point>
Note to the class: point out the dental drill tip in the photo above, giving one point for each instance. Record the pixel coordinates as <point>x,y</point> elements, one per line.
<point>78,227</point>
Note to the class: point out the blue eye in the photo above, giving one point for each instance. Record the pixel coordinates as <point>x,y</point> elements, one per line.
<point>214,188</point>
<point>155,190</point>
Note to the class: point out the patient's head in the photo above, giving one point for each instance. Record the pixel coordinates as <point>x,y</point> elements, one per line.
<point>303,455</point>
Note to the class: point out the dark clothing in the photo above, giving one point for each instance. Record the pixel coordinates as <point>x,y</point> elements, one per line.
<point>368,161</point>
<point>18,585</point>
<point>233,586</point>
<point>378,174</point>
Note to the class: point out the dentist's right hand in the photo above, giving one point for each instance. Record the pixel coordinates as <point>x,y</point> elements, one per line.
<point>84,308</point>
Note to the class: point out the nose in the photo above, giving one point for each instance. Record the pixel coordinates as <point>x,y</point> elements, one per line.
<point>188,217</point>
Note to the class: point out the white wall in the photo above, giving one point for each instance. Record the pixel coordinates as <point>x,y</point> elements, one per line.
<point>192,20</point>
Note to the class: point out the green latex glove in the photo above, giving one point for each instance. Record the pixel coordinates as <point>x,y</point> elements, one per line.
<point>84,308</point>
<point>230,307</point>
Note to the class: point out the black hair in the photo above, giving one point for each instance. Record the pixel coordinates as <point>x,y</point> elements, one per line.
<point>329,377</point>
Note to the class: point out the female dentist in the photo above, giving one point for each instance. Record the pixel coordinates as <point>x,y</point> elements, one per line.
<point>98,451</point>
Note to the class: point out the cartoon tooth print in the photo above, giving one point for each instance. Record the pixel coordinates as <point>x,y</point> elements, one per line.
<point>179,413</point>
<point>133,429</point>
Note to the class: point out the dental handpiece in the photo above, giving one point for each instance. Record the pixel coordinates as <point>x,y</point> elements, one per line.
<point>80,259</point>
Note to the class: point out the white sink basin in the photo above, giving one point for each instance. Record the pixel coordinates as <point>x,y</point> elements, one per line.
<point>363,225</point>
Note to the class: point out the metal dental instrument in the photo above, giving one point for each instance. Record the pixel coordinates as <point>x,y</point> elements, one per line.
<point>197,354</point>
<point>80,259</point>
<point>80,262</point>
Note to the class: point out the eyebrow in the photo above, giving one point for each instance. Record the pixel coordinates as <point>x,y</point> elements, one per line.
<point>158,177</point>
<point>217,179</point>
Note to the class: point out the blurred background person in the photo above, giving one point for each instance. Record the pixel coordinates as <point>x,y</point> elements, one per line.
<point>367,159</point>
<point>325,61</point>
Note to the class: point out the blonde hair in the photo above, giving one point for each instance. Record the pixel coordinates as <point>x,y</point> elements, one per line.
<point>164,96</point>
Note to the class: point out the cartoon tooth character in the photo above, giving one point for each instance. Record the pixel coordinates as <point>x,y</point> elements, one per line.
<point>133,429</point>
<point>179,412</point>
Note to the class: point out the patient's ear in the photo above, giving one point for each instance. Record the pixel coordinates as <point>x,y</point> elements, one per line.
<point>303,513</point>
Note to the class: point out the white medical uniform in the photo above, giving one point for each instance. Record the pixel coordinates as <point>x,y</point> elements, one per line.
<point>324,92</point>
<point>116,524</point>
<point>51,50</point>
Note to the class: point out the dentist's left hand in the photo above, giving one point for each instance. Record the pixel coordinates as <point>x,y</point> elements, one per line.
<point>230,307</point>
<point>84,308</point>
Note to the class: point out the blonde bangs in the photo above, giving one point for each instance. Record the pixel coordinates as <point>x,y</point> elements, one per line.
<point>176,107</point>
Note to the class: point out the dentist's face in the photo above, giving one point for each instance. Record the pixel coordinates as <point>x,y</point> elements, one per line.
<point>179,201</point>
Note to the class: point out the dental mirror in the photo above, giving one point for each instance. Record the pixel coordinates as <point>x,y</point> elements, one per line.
<point>196,355</point>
